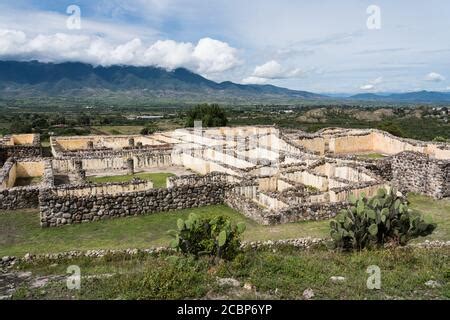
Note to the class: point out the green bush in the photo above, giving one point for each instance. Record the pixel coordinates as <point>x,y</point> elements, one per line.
<point>149,129</point>
<point>210,115</point>
<point>383,219</point>
<point>216,237</point>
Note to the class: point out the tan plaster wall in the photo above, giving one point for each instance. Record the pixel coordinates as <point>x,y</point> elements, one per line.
<point>351,174</point>
<point>283,185</point>
<point>22,139</point>
<point>308,179</point>
<point>270,202</point>
<point>315,144</point>
<point>73,144</point>
<point>351,144</point>
<point>369,191</point>
<point>29,169</point>
<point>268,184</point>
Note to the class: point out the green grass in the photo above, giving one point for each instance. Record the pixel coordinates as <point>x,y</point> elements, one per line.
<point>20,231</point>
<point>283,273</point>
<point>158,179</point>
<point>437,211</point>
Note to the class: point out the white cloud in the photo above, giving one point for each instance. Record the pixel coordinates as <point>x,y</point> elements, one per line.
<point>208,56</point>
<point>170,54</point>
<point>367,87</point>
<point>270,71</point>
<point>372,85</point>
<point>214,56</point>
<point>434,77</point>
<point>254,80</point>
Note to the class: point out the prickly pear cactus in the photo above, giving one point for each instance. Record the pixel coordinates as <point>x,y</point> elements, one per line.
<point>216,237</point>
<point>383,219</point>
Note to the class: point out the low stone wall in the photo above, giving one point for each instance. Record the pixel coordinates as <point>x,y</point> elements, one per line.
<point>416,172</point>
<point>19,198</point>
<point>246,206</point>
<point>7,175</point>
<point>305,212</point>
<point>194,180</point>
<point>99,189</point>
<point>19,152</point>
<point>20,146</point>
<point>58,210</point>
<point>243,203</point>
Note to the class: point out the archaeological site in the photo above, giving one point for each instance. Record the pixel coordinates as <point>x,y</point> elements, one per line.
<point>270,175</point>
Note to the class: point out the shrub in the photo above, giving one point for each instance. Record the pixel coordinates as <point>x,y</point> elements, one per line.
<point>150,129</point>
<point>440,139</point>
<point>216,237</point>
<point>382,219</point>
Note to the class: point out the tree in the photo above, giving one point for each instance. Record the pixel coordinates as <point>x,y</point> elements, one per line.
<point>392,128</point>
<point>21,126</point>
<point>210,115</point>
<point>84,120</point>
<point>149,129</point>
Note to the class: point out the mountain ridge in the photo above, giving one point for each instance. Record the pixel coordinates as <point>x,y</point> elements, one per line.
<point>29,79</point>
<point>63,79</point>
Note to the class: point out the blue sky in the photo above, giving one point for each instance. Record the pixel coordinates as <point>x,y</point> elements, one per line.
<point>321,46</point>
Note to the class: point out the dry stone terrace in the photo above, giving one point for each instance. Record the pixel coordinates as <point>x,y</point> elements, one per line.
<point>268,174</point>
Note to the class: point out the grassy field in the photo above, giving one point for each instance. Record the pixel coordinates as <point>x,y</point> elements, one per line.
<point>20,232</point>
<point>283,273</point>
<point>434,211</point>
<point>158,179</point>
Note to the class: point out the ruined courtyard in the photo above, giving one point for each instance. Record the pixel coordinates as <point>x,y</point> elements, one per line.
<point>268,174</point>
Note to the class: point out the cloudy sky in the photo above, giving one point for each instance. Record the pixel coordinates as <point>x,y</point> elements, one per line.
<point>322,46</point>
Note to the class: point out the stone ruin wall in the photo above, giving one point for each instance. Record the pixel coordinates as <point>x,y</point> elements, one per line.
<point>239,199</point>
<point>264,195</point>
<point>20,146</point>
<point>12,198</point>
<point>113,161</point>
<point>416,172</point>
<point>59,206</point>
<point>371,140</point>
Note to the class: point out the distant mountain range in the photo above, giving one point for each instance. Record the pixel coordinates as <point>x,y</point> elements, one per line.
<point>419,96</point>
<point>28,79</point>
<point>72,79</point>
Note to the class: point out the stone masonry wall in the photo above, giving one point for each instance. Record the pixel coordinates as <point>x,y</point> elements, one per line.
<point>19,198</point>
<point>19,152</point>
<point>59,210</point>
<point>415,172</point>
